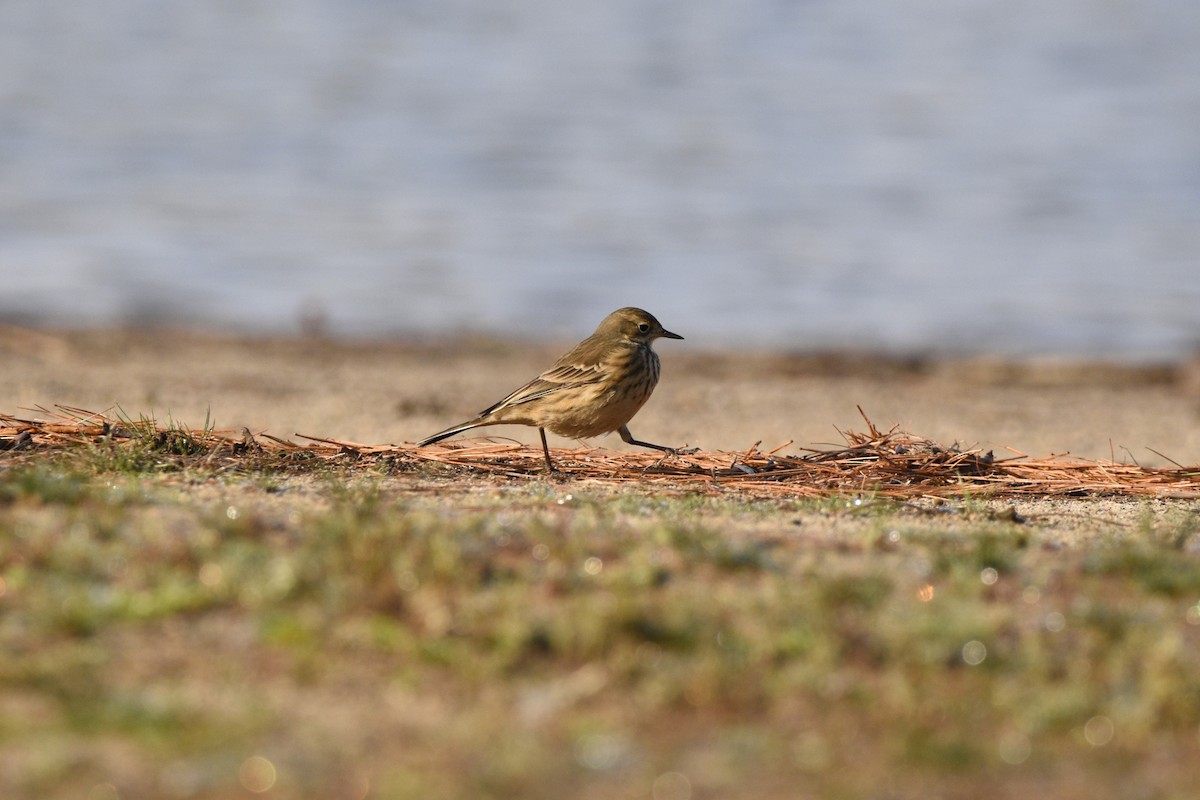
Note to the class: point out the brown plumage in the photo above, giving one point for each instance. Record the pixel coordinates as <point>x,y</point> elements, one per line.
<point>595,388</point>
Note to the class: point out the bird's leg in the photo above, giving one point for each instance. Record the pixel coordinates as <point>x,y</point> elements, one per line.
<point>546,451</point>
<point>627,438</point>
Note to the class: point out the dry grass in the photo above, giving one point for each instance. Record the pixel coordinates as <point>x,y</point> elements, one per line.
<point>891,463</point>
<point>205,614</point>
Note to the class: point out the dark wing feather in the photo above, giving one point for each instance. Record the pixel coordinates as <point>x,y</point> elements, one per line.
<point>560,376</point>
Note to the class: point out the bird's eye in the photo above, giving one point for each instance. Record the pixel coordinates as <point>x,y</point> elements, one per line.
<point>643,327</point>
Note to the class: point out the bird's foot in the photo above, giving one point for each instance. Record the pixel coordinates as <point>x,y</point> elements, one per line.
<point>550,470</point>
<point>674,451</point>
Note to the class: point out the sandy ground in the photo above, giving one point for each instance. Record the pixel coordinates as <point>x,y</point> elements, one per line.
<point>395,392</point>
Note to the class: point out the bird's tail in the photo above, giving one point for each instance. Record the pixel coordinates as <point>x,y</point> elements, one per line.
<point>446,434</point>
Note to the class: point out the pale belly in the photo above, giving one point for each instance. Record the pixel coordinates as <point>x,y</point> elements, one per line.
<point>592,411</point>
<point>604,415</point>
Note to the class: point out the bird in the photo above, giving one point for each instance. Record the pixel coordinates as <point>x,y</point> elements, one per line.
<point>594,388</point>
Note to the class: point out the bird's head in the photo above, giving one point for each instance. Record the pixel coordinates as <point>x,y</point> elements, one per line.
<point>635,325</point>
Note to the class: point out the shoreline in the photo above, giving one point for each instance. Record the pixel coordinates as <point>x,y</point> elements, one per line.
<point>14,332</point>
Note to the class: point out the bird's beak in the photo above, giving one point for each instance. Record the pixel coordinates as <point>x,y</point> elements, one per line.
<point>668,335</point>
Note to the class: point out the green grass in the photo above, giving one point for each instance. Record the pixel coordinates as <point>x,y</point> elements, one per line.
<point>409,636</point>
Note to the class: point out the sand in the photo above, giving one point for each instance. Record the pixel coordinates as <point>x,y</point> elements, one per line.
<point>396,392</point>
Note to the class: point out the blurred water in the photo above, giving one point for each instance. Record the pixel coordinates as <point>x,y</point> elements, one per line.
<point>999,175</point>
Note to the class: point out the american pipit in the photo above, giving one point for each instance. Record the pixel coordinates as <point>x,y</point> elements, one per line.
<point>595,388</point>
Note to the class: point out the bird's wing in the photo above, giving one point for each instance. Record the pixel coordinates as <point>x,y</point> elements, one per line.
<point>560,376</point>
